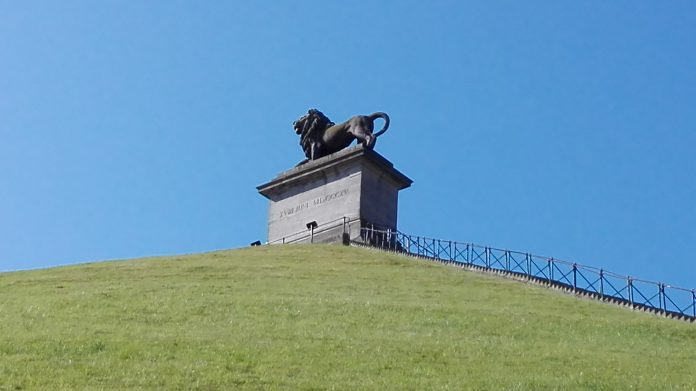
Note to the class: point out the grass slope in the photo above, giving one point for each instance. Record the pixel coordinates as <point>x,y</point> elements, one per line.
<point>321,317</point>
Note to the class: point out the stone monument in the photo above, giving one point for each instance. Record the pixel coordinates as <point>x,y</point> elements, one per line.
<point>338,189</point>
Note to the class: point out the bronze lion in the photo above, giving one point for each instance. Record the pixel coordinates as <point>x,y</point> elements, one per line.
<point>320,137</point>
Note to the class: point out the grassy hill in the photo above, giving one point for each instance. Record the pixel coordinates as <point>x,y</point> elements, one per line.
<point>322,317</point>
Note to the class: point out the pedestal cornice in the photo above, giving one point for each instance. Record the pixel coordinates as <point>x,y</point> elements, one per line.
<point>315,168</point>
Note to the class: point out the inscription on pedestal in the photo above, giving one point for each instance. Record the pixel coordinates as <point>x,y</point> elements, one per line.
<point>315,202</point>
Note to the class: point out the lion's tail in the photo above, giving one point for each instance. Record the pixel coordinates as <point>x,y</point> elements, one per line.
<point>385,117</point>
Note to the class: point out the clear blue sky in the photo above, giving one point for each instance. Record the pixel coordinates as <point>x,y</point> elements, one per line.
<point>566,129</point>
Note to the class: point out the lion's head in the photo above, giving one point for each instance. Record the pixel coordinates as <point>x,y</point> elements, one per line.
<point>312,122</point>
<point>311,127</point>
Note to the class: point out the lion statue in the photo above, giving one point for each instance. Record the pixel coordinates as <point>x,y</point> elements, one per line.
<point>320,137</point>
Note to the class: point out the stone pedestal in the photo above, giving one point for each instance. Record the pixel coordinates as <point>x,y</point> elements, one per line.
<point>353,188</point>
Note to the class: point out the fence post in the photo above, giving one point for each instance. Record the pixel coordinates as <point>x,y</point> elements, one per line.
<point>528,258</point>
<point>575,278</point>
<point>488,258</point>
<point>550,277</point>
<point>507,260</point>
<point>601,283</point>
<point>661,296</point>
<point>693,302</point>
<point>449,248</point>
<point>468,254</point>
<point>629,281</point>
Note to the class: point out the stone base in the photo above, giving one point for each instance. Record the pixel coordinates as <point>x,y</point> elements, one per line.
<point>341,192</point>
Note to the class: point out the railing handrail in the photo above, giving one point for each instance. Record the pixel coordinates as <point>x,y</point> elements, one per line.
<point>300,235</point>
<point>556,260</point>
<point>633,291</point>
<point>598,282</point>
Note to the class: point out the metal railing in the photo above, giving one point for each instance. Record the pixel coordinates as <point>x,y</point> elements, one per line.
<point>590,281</point>
<point>346,224</point>
<point>585,280</point>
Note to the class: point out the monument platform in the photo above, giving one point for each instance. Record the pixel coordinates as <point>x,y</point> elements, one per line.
<point>338,194</point>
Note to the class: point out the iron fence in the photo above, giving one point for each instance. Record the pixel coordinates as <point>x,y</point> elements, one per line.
<point>637,293</point>
<point>584,280</point>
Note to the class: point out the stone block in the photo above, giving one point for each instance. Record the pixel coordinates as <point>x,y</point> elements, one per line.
<point>340,192</point>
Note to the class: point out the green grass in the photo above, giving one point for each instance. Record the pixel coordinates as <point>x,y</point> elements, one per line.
<point>322,317</point>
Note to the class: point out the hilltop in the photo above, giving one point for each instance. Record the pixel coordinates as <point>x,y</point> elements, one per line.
<point>321,317</point>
